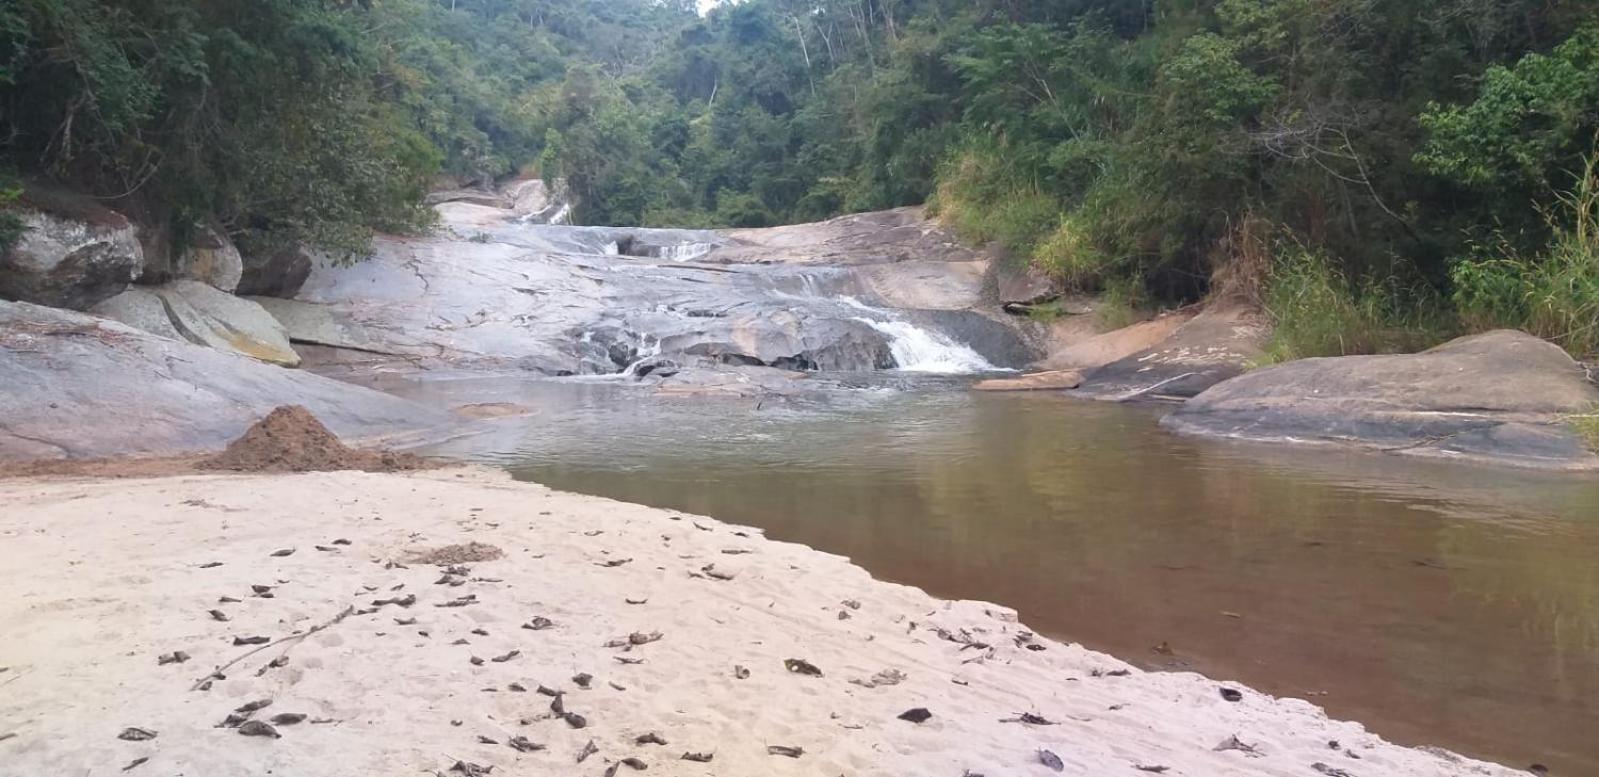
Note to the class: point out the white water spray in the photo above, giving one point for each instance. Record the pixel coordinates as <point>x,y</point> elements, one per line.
<point>919,350</point>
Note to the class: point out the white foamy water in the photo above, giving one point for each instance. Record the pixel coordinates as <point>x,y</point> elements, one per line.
<point>918,350</point>
<point>684,252</point>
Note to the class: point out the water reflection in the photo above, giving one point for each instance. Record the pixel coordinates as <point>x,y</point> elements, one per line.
<point>1443,604</point>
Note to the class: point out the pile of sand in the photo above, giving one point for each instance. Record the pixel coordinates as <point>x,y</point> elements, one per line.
<point>290,439</point>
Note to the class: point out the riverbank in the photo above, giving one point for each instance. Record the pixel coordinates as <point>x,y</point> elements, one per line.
<point>648,622</point>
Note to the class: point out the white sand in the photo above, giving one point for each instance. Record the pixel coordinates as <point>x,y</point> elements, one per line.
<point>101,577</point>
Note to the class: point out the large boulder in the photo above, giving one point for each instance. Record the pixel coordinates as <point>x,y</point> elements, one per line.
<point>75,386</point>
<point>211,258</point>
<point>72,253</point>
<point>276,272</point>
<point>1502,396</point>
<point>203,315</point>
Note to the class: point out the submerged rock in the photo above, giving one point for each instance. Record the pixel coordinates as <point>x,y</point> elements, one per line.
<point>72,253</point>
<point>1502,396</point>
<point>76,386</point>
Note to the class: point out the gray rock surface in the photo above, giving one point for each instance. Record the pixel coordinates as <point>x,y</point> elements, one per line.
<point>211,258</point>
<point>141,308</point>
<point>1017,282</point>
<point>503,293</point>
<point>1502,396</point>
<point>70,258</point>
<point>1213,346</point>
<point>76,386</point>
<point>276,273</point>
<point>197,312</point>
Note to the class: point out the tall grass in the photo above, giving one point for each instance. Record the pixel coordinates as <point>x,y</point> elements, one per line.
<point>983,202</point>
<point>1315,310</point>
<point>1554,295</point>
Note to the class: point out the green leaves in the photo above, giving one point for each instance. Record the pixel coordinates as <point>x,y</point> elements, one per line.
<point>1529,120</point>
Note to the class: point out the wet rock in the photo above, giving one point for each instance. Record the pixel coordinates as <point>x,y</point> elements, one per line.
<point>1496,397</point>
<point>72,253</point>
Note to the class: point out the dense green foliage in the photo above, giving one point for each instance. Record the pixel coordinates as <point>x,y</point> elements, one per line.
<point>1383,166</point>
<point>311,121</point>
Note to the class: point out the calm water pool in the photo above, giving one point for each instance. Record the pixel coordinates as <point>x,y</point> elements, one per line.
<point>1438,603</point>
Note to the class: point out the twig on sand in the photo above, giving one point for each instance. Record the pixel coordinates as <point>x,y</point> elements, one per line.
<point>291,638</point>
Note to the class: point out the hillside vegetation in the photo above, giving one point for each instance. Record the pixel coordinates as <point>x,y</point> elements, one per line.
<point>1377,173</point>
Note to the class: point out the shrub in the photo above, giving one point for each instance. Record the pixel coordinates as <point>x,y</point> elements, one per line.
<point>1069,255</point>
<point>1555,295</point>
<point>984,201</point>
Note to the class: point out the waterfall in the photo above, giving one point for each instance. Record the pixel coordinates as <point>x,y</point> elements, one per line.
<point>649,348</point>
<point>919,350</point>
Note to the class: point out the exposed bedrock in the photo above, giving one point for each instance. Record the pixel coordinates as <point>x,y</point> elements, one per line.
<point>1502,396</point>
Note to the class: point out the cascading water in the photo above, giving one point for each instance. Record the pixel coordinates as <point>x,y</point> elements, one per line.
<point>684,252</point>
<point>649,348</point>
<point>919,350</point>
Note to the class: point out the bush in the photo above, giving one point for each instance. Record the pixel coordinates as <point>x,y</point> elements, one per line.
<point>1069,255</point>
<point>1555,295</point>
<point>981,198</point>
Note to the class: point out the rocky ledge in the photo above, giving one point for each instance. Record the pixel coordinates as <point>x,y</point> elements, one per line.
<point>1502,397</point>
<point>75,386</point>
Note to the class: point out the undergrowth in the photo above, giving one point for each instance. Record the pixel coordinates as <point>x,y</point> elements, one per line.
<point>1316,311</point>
<point>1554,295</point>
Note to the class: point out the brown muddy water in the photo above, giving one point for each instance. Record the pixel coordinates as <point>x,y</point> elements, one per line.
<point>1437,603</point>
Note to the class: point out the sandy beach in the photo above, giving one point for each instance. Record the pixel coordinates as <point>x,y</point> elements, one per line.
<point>652,626</point>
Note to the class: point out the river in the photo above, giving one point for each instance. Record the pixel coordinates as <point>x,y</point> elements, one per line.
<point>1437,603</point>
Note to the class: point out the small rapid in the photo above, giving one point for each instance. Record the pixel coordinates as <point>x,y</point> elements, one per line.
<point>920,350</point>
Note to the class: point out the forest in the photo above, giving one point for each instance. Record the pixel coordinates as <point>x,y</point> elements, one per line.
<point>1374,174</point>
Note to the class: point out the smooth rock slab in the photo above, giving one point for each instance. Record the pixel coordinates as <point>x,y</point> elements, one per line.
<point>196,312</point>
<point>1213,346</point>
<point>1501,396</point>
<point>76,386</point>
<point>1053,380</point>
